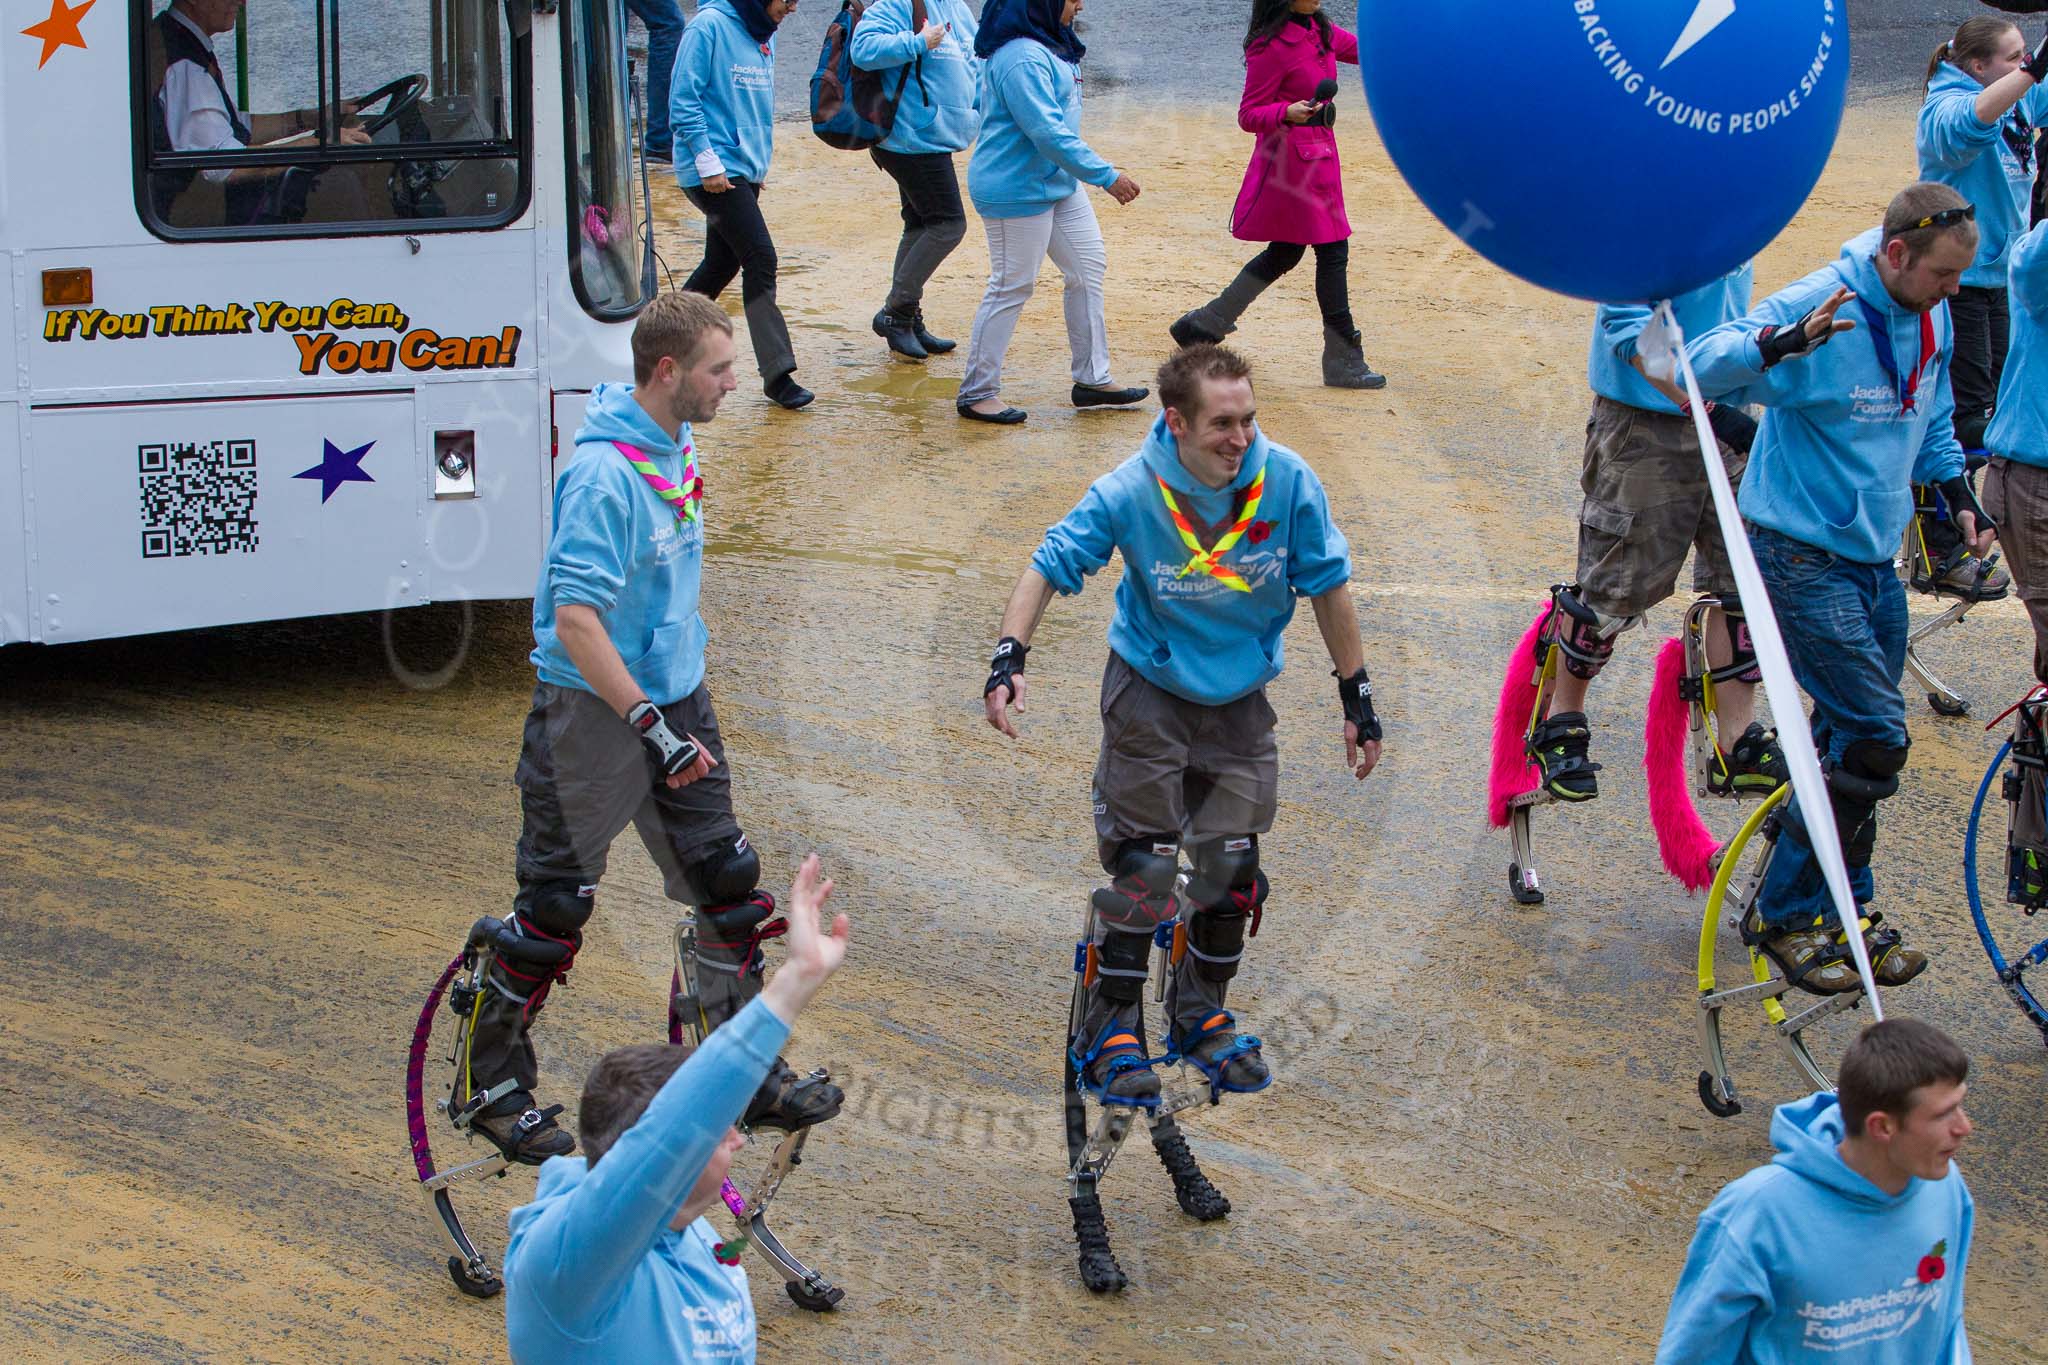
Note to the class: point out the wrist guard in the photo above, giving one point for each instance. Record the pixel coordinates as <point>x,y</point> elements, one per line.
<point>1961,497</point>
<point>1006,665</point>
<point>1356,694</point>
<point>1782,343</point>
<point>1732,426</point>
<point>669,753</point>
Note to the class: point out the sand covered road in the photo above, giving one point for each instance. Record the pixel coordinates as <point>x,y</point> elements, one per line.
<point>233,861</point>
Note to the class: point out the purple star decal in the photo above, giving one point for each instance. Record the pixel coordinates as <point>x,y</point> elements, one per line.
<point>337,467</point>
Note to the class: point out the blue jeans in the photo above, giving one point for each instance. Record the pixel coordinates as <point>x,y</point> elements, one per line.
<point>1844,625</point>
<point>664,33</point>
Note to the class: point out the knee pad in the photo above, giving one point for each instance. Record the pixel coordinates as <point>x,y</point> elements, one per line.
<point>1227,890</point>
<point>732,934</point>
<point>1867,774</point>
<point>1586,636</point>
<point>534,946</point>
<point>1122,963</point>
<point>1141,897</point>
<point>727,873</point>
<point>1742,666</point>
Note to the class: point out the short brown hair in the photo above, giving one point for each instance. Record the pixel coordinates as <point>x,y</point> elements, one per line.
<point>1917,202</point>
<point>673,325</point>
<point>620,1087</point>
<point>1180,378</point>
<point>1891,1060</point>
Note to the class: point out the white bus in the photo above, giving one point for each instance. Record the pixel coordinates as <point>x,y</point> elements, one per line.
<point>269,358</point>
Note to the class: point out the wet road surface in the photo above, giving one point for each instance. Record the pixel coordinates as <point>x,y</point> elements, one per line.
<point>233,862</point>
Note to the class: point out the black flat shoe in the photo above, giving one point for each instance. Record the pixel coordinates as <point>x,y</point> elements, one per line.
<point>784,391</point>
<point>1086,397</point>
<point>1008,417</point>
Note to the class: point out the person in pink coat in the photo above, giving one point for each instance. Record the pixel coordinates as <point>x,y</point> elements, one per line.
<point>1293,192</point>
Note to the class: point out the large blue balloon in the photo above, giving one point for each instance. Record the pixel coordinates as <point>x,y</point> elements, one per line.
<point>1618,150</point>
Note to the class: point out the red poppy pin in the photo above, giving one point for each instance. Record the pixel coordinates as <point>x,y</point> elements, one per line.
<point>1259,531</point>
<point>1932,1266</point>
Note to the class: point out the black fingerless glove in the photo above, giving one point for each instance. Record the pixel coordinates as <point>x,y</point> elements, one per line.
<point>1782,343</point>
<point>1356,694</point>
<point>2037,64</point>
<point>1006,665</point>
<point>1732,426</point>
<point>1961,497</point>
<point>668,753</point>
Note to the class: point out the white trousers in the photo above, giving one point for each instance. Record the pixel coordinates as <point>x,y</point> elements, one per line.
<point>1069,234</point>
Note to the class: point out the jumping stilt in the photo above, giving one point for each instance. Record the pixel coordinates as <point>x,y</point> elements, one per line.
<point>1768,986</point>
<point>806,1287</point>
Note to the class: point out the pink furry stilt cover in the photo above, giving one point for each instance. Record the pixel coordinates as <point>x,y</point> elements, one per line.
<point>1512,772</point>
<point>1686,843</point>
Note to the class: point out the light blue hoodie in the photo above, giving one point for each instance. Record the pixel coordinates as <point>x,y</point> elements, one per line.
<point>1804,1260</point>
<point>2020,430</point>
<point>721,100</point>
<point>1961,150</point>
<point>1836,455</point>
<point>1191,634</point>
<point>1616,327</point>
<point>593,1271</point>
<point>938,111</point>
<point>618,548</point>
<point>1031,155</point>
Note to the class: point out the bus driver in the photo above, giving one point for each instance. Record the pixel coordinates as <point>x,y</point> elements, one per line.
<point>191,111</point>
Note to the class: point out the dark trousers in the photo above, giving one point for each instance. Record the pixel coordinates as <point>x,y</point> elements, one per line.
<point>664,34</point>
<point>1983,323</point>
<point>736,243</point>
<point>1333,262</point>
<point>934,222</point>
<point>583,778</point>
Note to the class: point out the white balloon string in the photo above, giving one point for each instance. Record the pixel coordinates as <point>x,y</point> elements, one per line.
<point>1795,737</point>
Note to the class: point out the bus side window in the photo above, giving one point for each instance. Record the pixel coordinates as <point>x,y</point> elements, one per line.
<point>321,119</point>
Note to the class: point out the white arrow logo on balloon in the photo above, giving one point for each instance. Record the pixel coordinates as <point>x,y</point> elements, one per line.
<point>1710,15</point>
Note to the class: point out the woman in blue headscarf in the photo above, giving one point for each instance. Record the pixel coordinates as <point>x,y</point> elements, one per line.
<point>1025,179</point>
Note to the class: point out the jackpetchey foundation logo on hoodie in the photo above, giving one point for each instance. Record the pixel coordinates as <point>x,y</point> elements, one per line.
<point>1854,1324</point>
<point>1660,72</point>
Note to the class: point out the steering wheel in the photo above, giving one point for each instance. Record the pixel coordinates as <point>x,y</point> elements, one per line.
<point>403,94</point>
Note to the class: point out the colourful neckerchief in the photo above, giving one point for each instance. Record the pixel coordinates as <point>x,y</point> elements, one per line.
<point>1881,338</point>
<point>1209,561</point>
<point>686,500</point>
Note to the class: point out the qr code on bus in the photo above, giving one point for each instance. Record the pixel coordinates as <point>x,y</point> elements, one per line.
<point>198,498</point>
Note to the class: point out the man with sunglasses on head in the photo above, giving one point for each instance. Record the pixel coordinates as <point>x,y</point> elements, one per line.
<point>1848,429</point>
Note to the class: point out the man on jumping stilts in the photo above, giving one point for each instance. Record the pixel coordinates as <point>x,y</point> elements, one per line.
<point>1646,504</point>
<point>1850,425</point>
<point>1221,531</point>
<point>622,732</point>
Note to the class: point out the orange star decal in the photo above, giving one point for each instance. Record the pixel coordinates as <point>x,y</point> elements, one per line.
<point>60,29</point>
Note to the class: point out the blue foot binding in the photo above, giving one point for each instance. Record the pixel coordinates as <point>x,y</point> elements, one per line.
<point>1215,1063</point>
<point>1126,1077</point>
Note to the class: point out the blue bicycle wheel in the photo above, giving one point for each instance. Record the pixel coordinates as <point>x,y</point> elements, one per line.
<point>2011,974</point>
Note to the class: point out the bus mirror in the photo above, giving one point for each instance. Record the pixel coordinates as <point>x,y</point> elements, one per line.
<point>67,288</point>
<point>454,464</point>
